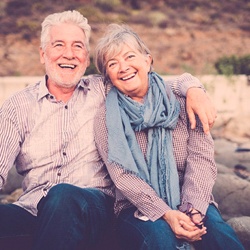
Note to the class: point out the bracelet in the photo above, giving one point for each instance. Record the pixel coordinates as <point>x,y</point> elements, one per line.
<point>187,209</point>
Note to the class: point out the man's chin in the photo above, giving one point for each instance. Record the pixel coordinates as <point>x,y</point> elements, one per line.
<point>68,82</point>
<point>67,85</point>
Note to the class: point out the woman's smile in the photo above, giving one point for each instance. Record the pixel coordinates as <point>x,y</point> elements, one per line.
<point>128,77</point>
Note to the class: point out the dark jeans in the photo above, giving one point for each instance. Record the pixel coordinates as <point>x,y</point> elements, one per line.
<point>68,216</point>
<point>136,234</point>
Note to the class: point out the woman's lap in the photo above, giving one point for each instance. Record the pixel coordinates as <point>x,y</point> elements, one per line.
<point>135,234</point>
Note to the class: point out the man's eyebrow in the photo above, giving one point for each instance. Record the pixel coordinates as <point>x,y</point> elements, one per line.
<point>79,42</point>
<point>56,41</point>
<point>61,41</point>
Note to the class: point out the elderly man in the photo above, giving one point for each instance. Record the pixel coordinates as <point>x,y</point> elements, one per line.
<point>47,130</point>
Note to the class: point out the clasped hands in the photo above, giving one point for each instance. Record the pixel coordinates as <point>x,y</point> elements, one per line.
<point>184,227</point>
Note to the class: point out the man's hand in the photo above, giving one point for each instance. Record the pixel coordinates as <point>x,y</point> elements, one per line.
<point>182,226</point>
<point>198,102</point>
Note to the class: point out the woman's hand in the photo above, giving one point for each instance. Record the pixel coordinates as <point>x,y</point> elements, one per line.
<point>198,102</point>
<point>183,227</point>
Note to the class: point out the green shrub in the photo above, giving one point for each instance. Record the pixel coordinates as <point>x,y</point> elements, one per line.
<point>91,68</point>
<point>107,5</point>
<point>233,65</point>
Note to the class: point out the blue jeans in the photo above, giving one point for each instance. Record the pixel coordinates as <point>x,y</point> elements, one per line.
<point>68,216</point>
<point>135,234</point>
<point>15,221</point>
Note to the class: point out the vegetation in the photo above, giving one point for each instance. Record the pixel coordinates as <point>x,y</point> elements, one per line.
<point>183,35</point>
<point>24,16</point>
<point>233,65</point>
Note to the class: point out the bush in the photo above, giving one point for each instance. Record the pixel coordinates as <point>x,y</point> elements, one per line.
<point>233,65</point>
<point>91,69</point>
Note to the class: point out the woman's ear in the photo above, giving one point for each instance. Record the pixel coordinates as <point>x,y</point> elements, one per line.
<point>149,61</point>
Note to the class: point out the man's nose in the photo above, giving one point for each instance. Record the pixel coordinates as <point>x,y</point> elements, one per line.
<point>69,52</point>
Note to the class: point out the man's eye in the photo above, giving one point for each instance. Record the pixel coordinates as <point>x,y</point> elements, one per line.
<point>80,46</point>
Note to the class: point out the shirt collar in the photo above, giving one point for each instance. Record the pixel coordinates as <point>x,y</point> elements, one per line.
<point>43,90</point>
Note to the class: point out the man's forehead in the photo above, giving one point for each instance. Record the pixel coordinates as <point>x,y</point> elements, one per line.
<point>67,31</point>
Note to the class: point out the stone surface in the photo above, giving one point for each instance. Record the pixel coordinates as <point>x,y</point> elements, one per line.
<point>232,195</point>
<point>241,225</point>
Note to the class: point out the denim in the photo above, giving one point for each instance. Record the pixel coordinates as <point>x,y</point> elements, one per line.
<point>220,235</point>
<point>68,217</point>
<point>15,221</point>
<point>135,234</point>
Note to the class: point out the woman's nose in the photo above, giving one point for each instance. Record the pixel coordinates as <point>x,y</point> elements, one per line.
<point>123,66</point>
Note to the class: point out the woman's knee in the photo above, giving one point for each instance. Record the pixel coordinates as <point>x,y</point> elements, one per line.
<point>137,234</point>
<point>219,234</point>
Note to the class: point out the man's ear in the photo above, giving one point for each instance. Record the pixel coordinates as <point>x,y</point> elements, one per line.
<point>88,61</point>
<point>41,55</point>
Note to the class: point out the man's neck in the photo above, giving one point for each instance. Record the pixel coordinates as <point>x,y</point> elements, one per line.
<point>60,93</point>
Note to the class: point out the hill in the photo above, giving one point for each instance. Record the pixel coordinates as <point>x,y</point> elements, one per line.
<point>183,35</point>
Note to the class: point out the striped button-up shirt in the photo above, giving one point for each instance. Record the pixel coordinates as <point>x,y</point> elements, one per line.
<point>52,142</point>
<point>194,155</point>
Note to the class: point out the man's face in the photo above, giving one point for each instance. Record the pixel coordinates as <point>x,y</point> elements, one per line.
<point>66,56</point>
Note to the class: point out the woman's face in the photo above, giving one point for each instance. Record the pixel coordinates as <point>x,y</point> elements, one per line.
<point>128,71</point>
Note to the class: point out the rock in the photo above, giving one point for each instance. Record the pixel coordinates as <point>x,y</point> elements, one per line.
<point>242,154</point>
<point>14,181</point>
<point>11,197</point>
<point>236,130</point>
<point>241,225</point>
<point>232,195</point>
<point>222,169</point>
<point>230,153</point>
<point>225,152</point>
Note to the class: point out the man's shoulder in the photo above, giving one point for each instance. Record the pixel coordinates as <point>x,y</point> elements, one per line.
<point>30,92</point>
<point>94,82</point>
<point>95,78</point>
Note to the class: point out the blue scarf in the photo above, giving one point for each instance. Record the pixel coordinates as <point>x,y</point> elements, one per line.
<point>159,114</point>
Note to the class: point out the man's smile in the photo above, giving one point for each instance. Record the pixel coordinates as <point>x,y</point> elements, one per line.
<point>68,66</point>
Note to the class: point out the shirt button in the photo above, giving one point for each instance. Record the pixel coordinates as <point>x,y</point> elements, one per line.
<point>66,106</point>
<point>64,153</point>
<point>59,174</point>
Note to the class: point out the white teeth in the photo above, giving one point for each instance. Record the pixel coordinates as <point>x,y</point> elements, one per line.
<point>128,77</point>
<point>67,66</point>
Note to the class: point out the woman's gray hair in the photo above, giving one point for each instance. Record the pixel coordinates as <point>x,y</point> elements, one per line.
<point>71,17</point>
<point>110,45</point>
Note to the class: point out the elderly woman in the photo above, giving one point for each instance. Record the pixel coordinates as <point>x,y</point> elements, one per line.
<point>163,170</point>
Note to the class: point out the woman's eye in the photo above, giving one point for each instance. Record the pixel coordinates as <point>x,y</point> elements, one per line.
<point>131,56</point>
<point>111,65</point>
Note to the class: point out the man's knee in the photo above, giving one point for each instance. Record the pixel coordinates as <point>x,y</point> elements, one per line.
<point>66,196</point>
<point>59,197</point>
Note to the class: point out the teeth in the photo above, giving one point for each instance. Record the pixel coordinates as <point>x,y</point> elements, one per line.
<point>67,66</point>
<point>128,77</point>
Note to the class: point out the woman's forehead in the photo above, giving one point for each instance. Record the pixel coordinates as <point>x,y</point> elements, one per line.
<point>117,48</point>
